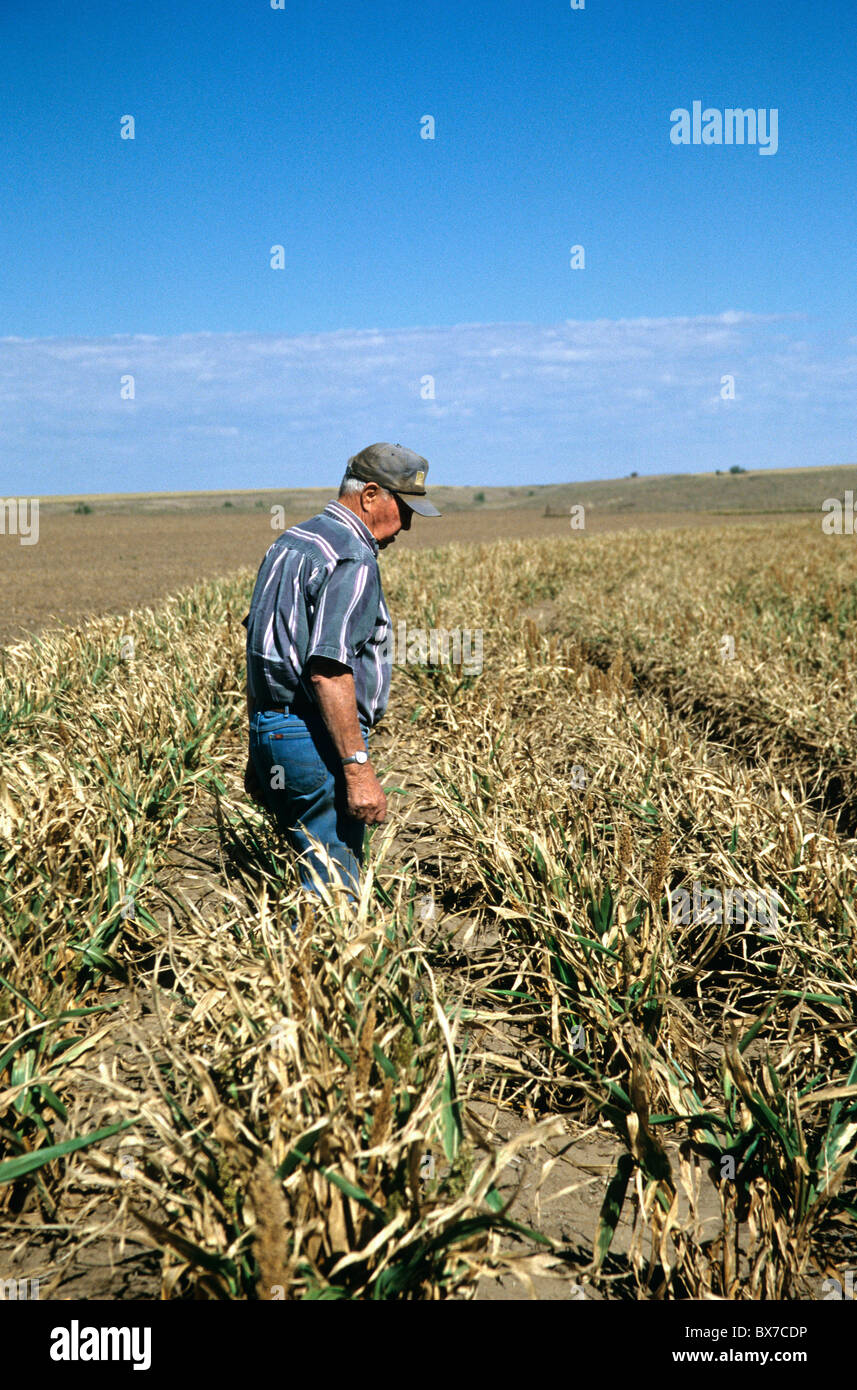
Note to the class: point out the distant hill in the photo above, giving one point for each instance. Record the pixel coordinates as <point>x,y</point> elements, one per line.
<point>756,491</point>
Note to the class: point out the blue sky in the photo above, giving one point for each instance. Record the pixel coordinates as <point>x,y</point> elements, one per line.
<point>408,258</point>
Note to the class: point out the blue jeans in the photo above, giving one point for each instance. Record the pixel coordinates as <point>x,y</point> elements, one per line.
<point>303,780</point>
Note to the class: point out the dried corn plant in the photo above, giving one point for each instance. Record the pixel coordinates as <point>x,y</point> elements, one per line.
<point>592,805</point>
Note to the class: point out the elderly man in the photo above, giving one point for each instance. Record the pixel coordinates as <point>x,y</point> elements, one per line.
<point>318,671</point>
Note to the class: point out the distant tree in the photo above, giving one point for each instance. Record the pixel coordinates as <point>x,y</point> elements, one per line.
<point>480,497</point>
<point>736,468</point>
<point>635,475</point>
<point>83,509</point>
<point>260,502</point>
<point>531,492</point>
<point>227,504</point>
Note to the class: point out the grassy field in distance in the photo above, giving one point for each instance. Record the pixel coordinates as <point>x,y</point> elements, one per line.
<point>766,490</point>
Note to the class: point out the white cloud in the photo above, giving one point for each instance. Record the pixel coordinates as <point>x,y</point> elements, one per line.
<point>513,402</point>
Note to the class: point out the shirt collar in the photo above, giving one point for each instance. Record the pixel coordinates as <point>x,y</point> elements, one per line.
<point>350,519</point>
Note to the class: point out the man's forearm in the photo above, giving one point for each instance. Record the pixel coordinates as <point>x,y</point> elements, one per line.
<point>337,701</point>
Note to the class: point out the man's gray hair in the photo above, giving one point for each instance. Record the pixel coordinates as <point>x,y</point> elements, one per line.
<point>350,485</point>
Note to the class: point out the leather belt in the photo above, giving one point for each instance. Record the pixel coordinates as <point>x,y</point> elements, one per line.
<point>300,702</point>
<point>298,707</point>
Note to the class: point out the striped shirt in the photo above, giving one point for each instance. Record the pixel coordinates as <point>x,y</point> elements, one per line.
<point>318,593</point>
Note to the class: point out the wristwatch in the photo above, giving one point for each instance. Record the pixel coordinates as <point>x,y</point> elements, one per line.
<point>361,757</point>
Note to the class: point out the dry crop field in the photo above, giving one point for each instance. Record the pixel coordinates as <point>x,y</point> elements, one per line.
<point>520,1069</point>
<point>111,553</point>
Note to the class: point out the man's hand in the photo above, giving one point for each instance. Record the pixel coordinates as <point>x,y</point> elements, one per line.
<point>252,785</point>
<point>366,799</point>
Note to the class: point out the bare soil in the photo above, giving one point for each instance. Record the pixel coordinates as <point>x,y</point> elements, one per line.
<point>113,560</point>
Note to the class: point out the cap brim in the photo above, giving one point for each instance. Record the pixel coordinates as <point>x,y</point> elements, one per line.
<point>421,505</point>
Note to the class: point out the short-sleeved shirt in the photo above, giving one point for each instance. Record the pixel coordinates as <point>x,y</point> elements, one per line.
<point>318,593</point>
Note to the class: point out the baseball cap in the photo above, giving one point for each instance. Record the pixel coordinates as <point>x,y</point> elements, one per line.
<point>397,469</point>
